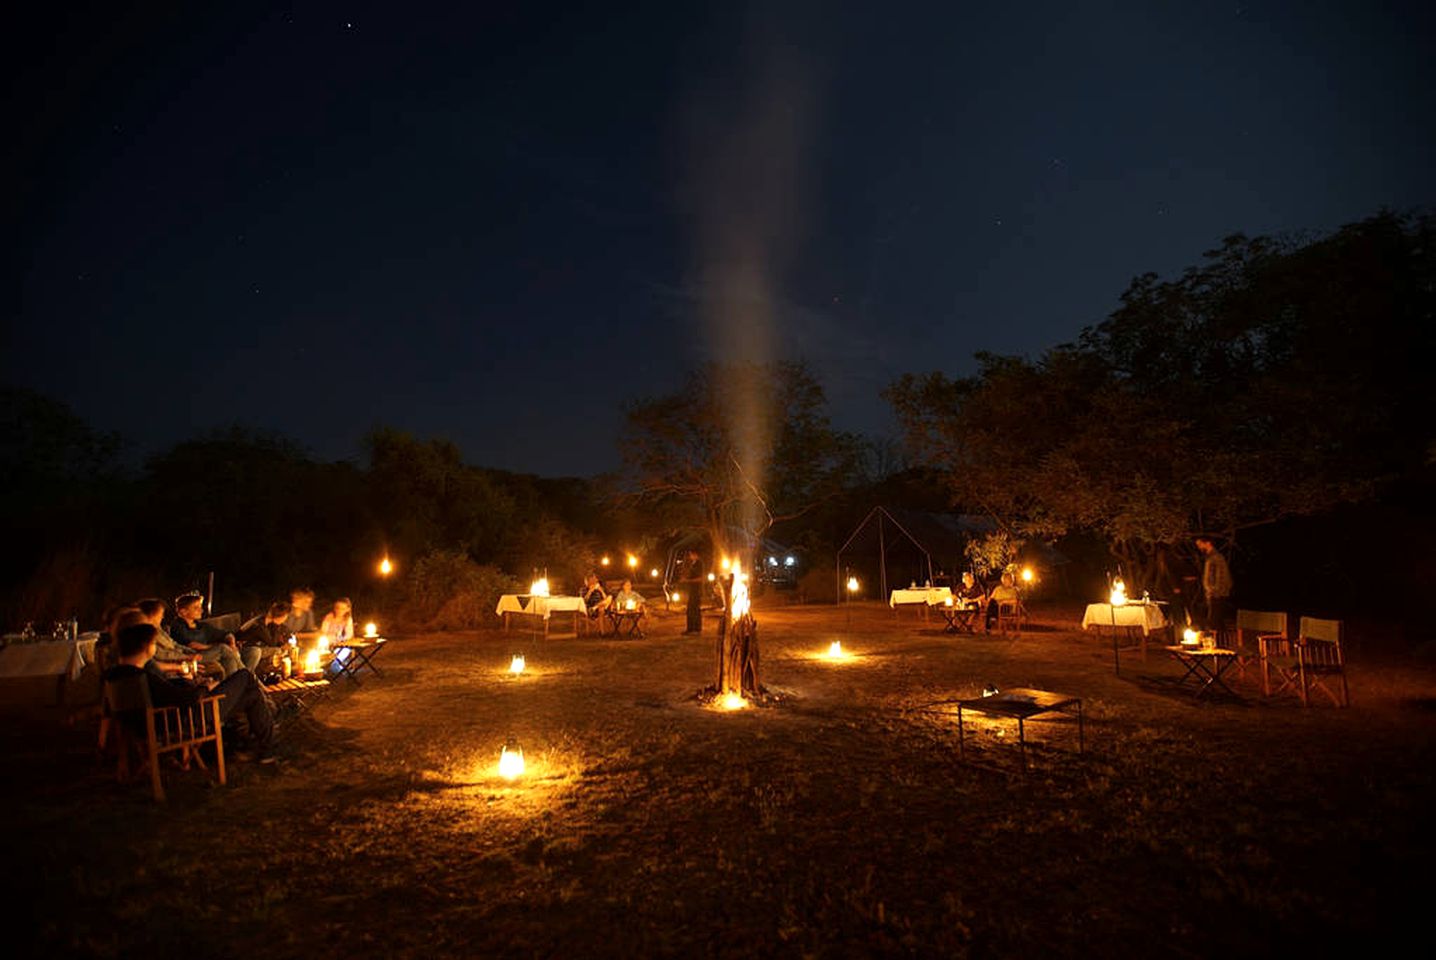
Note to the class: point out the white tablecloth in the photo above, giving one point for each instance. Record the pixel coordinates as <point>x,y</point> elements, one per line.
<point>1148,616</point>
<point>539,606</point>
<point>58,658</point>
<point>932,596</point>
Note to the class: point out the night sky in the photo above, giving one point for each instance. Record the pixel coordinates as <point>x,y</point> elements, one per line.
<point>496,223</point>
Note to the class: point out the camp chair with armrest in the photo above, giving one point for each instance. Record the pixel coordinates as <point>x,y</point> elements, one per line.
<point>1266,633</point>
<point>138,725</point>
<point>1320,662</point>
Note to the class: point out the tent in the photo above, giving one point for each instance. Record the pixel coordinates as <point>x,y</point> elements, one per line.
<point>918,547</point>
<point>909,545</point>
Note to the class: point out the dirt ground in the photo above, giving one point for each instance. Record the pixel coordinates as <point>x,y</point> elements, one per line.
<point>835,821</point>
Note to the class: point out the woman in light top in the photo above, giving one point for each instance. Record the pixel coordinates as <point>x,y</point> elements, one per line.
<point>339,623</point>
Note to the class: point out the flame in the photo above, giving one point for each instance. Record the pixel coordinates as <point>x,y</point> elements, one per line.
<point>630,605</point>
<point>739,600</point>
<point>732,701</point>
<point>511,762</point>
<point>835,650</point>
<point>385,567</point>
<point>311,661</point>
<point>677,597</point>
<point>1027,574</point>
<point>604,560</point>
<point>539,588</point>
<point>947,601</point>
<point>653,573</point>
<point>323,645</point>
<point>712,577</point>
<point>516,665</point>
<point>632,561</point>
<point>1118,596</point>
<point>371,630</point>
<point>852,584</point>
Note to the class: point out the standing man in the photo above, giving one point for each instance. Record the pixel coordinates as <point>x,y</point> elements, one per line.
<point>1216,583</point>
<point>693,580</point>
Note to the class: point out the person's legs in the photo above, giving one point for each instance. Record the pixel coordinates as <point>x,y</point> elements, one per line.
<point>250,656</point>
<point>243,694</point>
<point>695,611</point>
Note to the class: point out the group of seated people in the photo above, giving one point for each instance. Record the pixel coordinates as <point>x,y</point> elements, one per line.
<point>971,593</point>
<point>138,640</point>
<point>599,603</point>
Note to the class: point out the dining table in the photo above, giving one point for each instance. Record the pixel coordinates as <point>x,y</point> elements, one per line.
<point>925,597</point>
<point>535,605</point>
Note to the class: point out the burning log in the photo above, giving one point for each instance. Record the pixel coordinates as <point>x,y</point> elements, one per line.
<point>737,644</point>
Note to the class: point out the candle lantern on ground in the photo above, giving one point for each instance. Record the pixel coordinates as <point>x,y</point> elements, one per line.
<point>511,761</point>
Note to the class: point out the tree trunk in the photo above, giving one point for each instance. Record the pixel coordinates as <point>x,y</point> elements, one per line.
<point>737,651</point>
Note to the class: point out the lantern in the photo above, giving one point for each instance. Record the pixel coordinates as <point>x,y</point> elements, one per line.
<point>511,761</point>
<point>853,584</point>
<point>323,644</point>
<point>1027,574</point>
<point>835,650</point>
<point>311,662</point>
<point>629,604</point>
<point>371,630</point>
<point>516,665</point>
<point>539,588</point>
<point>1118,596</point>
<point>385,567</point>
<point>632,561</point>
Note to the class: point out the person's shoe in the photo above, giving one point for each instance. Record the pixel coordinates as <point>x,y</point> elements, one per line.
<point>242,756</point>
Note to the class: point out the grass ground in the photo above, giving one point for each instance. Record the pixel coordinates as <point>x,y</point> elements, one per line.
<point>833,822</point>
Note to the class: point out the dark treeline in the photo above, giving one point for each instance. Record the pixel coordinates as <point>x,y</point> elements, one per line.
<point>1275,395</point>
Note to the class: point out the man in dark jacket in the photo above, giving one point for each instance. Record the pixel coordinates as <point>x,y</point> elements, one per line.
<point>692,581</point>
<point>241,692</point>
<point>264,636</point>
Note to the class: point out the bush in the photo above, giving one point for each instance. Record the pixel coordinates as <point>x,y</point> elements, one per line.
<point>447,590</point>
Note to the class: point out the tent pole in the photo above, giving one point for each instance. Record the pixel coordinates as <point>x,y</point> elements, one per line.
<point>882,559</point>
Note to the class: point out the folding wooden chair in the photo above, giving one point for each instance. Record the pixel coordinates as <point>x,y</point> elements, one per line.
<point>1320,663</point>
<point>1009,616</point>
<point>166,730</point>
<point>1263,634</point>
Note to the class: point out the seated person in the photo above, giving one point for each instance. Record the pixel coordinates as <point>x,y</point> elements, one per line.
<point>240,692</point>
<point>339,623</point>
<point>969,592</point>
<point>169,655</point>
<point>265,636</point>
<point>628,600</point>
<point>212,644</point>
<point>300,621</point>
<point>595,598</point>
<point>1004,592</point>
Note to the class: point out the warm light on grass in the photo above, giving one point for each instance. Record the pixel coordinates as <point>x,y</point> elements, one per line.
<point>732,701</point>
<point>511,762</point>
<point>516,665</point>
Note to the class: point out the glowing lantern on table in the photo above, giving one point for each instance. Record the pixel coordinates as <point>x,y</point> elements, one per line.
<point>371,630</point>
<point>732,701</point>
<point>323,643</point>
<point>539,588</point>
<point>629,604</point>
<point>1118,596</point>
<point>516,665</point>
<point>511,761</point>
<point>947,601</point>
<point>1191,637</point>
<point>311,662</point>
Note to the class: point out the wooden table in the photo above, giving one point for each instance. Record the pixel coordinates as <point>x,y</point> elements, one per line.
<point>297,694</point>
<point>349,657</point>
<point>1021,704</point>
<point>960,616</point>
<point>1205,666</point>
<point>633,619</point>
